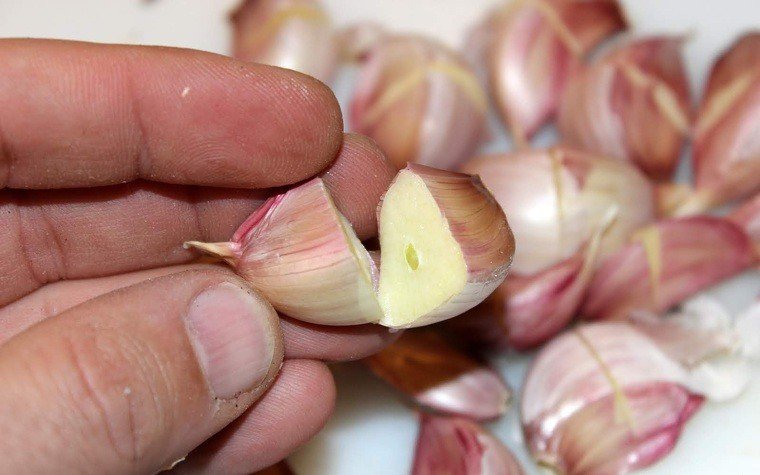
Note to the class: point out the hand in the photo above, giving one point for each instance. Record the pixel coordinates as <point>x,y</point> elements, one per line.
<point>117,354</point>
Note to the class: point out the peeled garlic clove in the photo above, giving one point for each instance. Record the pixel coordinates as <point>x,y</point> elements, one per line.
<point>457,445</point>
<point>666,263</point>
<point>747,217</point>
<point>293,34</point>
<point>557,198</point>
<point>632,104</point>
<point>726,152</point>
<point>420,102</point>
<point>424,367</point>
<point>445,246</point>
<point>531,48</point>
<point>304,257</point>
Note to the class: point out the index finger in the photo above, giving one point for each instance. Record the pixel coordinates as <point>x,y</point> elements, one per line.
<point>80,115</point>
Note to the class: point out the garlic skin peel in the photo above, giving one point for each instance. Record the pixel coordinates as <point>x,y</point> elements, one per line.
<point>445,246</point>
<point>664,264</point>
<point>292,34</point>
<point>632,104</point>
<point>420,102</point>
<point>726,151</point>
<point>431,372</point>
<point>529,50</point>
<point>459,446</point>
<point>612,397</point>
<point>556,200</point>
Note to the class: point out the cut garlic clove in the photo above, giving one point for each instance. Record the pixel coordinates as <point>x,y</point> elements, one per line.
<point>445,246</point>
<point>420,102</point>
<point>632,104</point>
<point>304,257</point>
<point>427,369</point>
<point>530,49</point>
<point>457,445</point>
<point>666,263</point>
<point>726,152</point>
<point>556,199</point>
<point>293,34</point>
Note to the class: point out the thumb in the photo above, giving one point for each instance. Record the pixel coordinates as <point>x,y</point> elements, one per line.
<point>133,380</point>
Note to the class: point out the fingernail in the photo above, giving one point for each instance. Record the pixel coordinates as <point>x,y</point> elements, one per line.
<point>233,338</point>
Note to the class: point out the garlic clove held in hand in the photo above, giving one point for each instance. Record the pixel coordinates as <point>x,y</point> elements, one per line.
<point>556,200</point>
<point>445,246</point>
<point>529,50</point>
<point>664,264</point>
<point>613,397</point>
<point>726,151</point>
<point>293,34</point>
<point>632,104</point>
<point>434,374</point>
<point>420,102</point>
<point>460,446</point>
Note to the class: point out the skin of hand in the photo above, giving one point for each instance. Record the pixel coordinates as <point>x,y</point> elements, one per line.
<point>119,353</point>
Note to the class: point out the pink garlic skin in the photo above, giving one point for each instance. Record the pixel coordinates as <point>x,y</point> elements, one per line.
<point>726,149</point>
<point>526,310</point>
<point>531,48</point>
<point>292,34</point>
<point>747,217</point>
<point>415,111</point>
<point>694,253</point>
<point>633,104</point>
<point>579,421</point>
<point>556,198</point>
<point>453,445</point>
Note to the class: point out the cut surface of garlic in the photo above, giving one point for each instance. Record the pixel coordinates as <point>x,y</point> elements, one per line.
<point>445,246</point>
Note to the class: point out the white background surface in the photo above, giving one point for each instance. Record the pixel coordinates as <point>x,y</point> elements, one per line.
<point>372,432</point>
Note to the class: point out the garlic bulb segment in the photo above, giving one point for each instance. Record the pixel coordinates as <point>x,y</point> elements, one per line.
<point>726,151</point>
<point>303,256</point>
<point>459,446</point>
<point>293,34</point>
<point>664,264</point>
<point>431,372</point>
<point>420,102</point>
<point>530,49</point>
<point>632,104</point>
<point>557,198</point>
<point>445,245</point>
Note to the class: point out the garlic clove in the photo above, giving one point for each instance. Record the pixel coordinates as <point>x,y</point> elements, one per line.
<point>747,217</point>
<point>556,199</point>
<point>664,264</point>
<point>434,374</point>
<point>726,152</point>
<point>357,40</point>
<point>293,34</point>
<point>632,104</point>
<point>526,311</point>
<point>420,102</point>
<point>445,246</point>
<point>304,257</point>
<point>531,48</point>
<point>636,383</point>
<point>457,445</point>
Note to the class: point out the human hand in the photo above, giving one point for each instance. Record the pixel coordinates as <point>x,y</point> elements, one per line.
<point>117,353</point>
